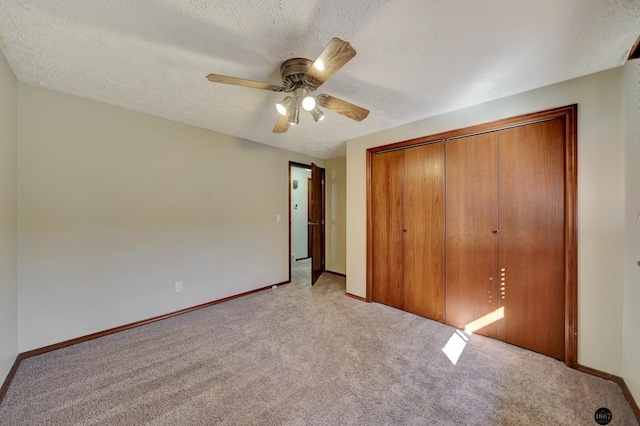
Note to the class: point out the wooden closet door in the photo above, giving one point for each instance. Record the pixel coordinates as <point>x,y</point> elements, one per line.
<point>531,246</point>
<point>387,230</point>
<point>424,231</point>
<point>471,245</point>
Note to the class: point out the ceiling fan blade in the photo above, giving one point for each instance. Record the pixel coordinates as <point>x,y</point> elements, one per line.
<point>345,108</point>
<point>217,78</point>
<point>333,57</point>
<point>282,125</point>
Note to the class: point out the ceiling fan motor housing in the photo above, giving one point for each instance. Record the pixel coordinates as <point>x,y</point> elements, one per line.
<point>293,71</point>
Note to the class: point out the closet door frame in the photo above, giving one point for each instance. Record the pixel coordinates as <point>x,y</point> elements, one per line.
<point>569,114</point>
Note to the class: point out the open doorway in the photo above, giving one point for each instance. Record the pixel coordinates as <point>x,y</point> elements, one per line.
<point>306,222</point>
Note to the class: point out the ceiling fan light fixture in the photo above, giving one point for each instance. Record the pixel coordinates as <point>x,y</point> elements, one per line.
<point>294,117</point>
<point>308,103</point>
<point>303,95</point>
<point>284,105</point>
<point>300,78</point>
<point>317,114</point>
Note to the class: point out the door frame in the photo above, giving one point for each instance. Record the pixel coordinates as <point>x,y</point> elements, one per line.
<point>319,227</point>
<point>570,115</point>
<point>323,236</point>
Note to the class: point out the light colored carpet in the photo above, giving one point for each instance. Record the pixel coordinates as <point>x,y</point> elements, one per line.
<point>301,271</point>
<point>301,355</point>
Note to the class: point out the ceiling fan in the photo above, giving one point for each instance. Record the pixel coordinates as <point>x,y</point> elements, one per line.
<point>301,77</point>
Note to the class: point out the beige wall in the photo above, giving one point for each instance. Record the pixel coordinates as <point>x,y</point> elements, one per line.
<point>8,224</point>
<point>631,319</point>
<point>600,200</point>
<point>336,214</point>
<point>116,206</point>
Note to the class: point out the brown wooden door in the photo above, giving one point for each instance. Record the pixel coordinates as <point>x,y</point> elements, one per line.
<point>310,195</point>
<point>471,245</point>
<point>531,240</point>
<point>510,230</point>
<point>424,231</point>
<point>316,222</point>
<point>387,228</point>
<point>505,235</point>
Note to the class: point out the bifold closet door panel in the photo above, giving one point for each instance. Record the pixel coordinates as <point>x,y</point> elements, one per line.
<point>471,242</point>
<point>531,246</point>
<point>424,231</point>
<point>387,220</point>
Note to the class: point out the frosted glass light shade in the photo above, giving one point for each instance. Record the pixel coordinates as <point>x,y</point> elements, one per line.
<point>308,103</point>
<point>317,114</point>
<point>284,105</point>
<point>294,117</point>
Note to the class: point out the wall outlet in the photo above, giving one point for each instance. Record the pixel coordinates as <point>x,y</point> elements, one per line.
<point>178,287</point>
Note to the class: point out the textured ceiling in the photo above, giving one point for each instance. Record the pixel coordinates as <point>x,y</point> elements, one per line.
<point>416,58</point>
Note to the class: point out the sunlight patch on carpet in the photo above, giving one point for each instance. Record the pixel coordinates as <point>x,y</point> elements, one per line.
<point>454,347</point>
<point>457,342</point>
